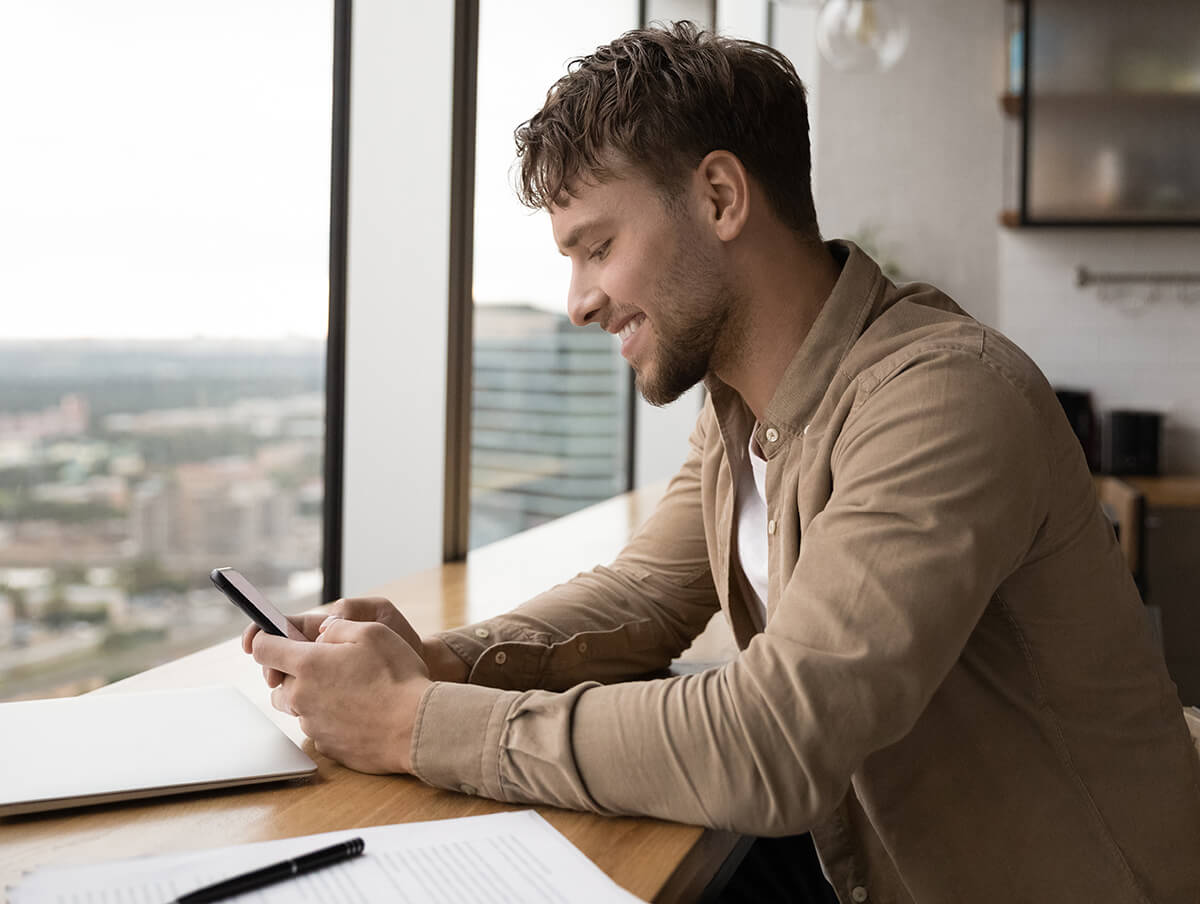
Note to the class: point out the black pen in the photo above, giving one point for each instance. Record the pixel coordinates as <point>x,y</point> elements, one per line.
<point>276,872</point>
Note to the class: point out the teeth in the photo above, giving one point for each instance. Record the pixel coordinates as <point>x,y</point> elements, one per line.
<point>632,327</point>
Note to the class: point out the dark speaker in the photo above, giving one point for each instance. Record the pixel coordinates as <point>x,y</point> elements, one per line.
<point>1131,442</point>
<point>1078,407</point>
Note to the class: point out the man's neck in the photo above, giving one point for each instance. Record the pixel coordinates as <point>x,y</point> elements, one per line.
<point>786,283</point>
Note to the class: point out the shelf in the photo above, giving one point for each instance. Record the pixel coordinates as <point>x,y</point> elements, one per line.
<point>1011,219</point>
<point>1012,104</point>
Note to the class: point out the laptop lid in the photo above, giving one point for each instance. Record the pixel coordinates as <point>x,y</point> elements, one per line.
<point>98,748</point>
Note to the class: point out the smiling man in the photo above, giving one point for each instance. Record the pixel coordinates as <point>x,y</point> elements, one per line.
<point>944,671</point>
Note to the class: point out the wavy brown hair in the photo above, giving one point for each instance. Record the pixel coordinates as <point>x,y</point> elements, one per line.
<point>661,99</point>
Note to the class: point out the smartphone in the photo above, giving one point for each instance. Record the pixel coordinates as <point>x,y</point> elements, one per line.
<point>247,597</point>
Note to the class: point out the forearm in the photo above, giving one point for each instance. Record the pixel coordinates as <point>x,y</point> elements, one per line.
<point>615,622</point>
<point>682,749</point>
<point>602,626</point>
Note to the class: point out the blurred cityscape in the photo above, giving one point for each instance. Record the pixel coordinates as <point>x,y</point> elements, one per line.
<point>548,428</point>
<point>130,469</point>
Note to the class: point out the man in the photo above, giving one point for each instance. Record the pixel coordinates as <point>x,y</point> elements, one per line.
<point>944,671</point>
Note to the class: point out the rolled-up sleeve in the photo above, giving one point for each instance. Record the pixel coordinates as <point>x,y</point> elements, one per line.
<point>939,476</point>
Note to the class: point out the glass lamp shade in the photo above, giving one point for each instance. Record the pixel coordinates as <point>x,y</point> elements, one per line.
<point>861,34</point>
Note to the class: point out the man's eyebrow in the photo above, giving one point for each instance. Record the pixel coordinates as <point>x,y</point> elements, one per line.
<point>576,234</point>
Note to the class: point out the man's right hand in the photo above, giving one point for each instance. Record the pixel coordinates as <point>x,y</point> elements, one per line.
<point>442,662</point>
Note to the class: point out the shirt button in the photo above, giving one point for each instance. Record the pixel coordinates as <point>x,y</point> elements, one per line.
<point>482,633</point>
<point>501,658</point>
<point>467,789</point>
<point>772,435</point>
<point>858,894</point>
<point>582,646</point>
<point>771,526</point>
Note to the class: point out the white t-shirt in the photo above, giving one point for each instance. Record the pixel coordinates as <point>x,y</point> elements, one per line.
<point>752,524</point>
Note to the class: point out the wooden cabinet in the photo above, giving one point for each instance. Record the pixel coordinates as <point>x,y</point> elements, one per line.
<point>1170,571</point>
<point>1104,110</point>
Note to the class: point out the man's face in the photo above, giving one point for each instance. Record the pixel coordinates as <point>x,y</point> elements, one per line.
<point>646,271</point>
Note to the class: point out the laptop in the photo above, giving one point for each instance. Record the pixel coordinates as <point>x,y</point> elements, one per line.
<point>99,748</point>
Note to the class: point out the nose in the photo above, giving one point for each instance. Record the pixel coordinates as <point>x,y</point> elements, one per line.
<point>585,301</point>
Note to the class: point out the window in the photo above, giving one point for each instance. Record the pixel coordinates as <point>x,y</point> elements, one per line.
<point>551,401</point>
<point>165,230</point>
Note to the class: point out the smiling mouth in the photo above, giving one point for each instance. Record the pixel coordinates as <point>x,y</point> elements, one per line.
<point>631,327</point>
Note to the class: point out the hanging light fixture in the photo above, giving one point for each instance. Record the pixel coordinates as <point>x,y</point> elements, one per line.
<point>861,34</point>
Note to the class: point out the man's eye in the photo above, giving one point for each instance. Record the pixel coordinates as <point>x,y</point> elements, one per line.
<point>600,251</point>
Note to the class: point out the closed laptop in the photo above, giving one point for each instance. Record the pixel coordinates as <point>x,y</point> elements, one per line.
<point>107,747</point>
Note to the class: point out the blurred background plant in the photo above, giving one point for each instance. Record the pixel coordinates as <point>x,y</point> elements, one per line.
<point>868,238</point>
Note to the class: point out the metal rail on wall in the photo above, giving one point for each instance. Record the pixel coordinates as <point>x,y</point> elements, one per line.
<point>1085,277</point>
<point>1135,291</point>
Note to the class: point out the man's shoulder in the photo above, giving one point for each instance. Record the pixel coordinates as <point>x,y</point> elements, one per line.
<point>923,330</point>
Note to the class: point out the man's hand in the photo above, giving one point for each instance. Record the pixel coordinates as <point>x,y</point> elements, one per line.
<point>442,662</point>
<point>356,691</point>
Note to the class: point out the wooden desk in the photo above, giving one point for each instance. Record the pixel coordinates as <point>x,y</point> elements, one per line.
<point>1168,492</point>
<point>654,860</point>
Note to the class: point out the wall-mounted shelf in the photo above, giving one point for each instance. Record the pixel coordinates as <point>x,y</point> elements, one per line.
<point>1014,104</point>
<point>1085,217</point>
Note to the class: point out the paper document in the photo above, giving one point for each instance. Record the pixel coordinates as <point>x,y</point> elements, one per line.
<point>514,857</point>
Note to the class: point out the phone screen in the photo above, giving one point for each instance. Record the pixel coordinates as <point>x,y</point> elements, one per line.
<point>250,600</point>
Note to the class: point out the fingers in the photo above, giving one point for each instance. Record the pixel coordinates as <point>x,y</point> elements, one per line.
<point>342,630</point>
<point>288,656</point>
<point>308,623</point>
<point>329,620</point>
<point>361,608</point>
<point>280,699</point>
<point>273,677</point>
<point>248,637</point>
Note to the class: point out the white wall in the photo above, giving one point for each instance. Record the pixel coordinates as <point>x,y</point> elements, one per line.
<point>397,289</point>
<point>919,151</point>
<point>1127,356</point>
<point>792,35</point>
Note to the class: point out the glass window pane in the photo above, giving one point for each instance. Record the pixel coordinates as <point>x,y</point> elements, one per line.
<point>550,402</point>
<point>165,237</point>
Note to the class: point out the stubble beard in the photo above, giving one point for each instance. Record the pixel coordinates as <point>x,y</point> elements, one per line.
<point>692,328</point>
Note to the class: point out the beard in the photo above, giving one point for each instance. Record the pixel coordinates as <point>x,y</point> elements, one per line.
<point>692,333</point>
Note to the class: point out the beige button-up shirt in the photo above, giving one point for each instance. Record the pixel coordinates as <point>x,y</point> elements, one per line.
<point>955,689</point>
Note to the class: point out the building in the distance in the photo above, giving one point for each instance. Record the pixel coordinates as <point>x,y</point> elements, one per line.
<point>219,512</point>
<point>548,431</point>
<point>8,619</point>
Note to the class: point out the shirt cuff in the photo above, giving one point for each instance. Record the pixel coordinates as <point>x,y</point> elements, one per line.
<point>449,749</point>
<point>471,641</point>
<point>464,646</point>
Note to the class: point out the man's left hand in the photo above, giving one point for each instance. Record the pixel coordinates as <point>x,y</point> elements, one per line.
<point>355,691</point>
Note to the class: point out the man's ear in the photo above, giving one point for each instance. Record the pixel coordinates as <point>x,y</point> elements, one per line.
<point>726,190</point>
